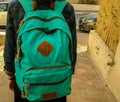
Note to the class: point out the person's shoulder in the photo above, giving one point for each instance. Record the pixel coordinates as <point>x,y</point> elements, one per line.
<point>69,7</point>
<point>14,3</point>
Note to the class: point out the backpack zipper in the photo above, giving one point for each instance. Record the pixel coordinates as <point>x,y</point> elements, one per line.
<point>42,19</point>
<point>41,84</point>
<point>36,17</point>
<point>46,68</point>
<point>18,48</point>
<point>44,30</point>
<point>45,84</point>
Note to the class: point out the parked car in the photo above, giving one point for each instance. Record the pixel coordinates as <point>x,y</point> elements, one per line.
<point>87,22</point>
<point>3,13</point>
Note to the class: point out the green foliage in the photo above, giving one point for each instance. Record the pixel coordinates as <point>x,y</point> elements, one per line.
<point>112,62</point>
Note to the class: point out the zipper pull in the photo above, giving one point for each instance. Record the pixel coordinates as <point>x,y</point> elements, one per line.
<point>22,92</point>
<point>18,48</point>
<point>27,90</point>
<point>20,25</point>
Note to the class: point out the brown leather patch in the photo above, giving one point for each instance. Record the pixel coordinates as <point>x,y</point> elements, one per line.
<point>49,95</point>
<point>45,48</point>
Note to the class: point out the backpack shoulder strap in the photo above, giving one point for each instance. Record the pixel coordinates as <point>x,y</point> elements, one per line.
<point>60,5</point>
<point>26,4</point>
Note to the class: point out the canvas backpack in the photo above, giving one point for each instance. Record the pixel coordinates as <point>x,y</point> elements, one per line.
<point>43,60</point>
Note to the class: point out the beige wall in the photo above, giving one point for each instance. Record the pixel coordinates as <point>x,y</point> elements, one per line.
<point>86,7</point>
<point>74,1</point>
<point>108,23</point>
<point>104,44</point>
<point>2,38</point>
<point>101,55</point>
<point>114,76</point>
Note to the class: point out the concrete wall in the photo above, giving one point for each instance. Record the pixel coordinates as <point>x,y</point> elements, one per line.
<point>114,76</point>
<point>73,1</point>
<point>104,44</point>
<point>4,0</point>
<point>108,23</point>
<point>86,7</point>
<point>2,38</point>
<point>107,63</point>
<point>101,55</point>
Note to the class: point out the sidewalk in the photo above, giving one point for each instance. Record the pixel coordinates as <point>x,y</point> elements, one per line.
<point>87,85</point>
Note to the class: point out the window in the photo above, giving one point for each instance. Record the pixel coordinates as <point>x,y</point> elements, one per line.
<point>3,7</point>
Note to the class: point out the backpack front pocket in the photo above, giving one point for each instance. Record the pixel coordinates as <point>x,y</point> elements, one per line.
<point>47,83</point>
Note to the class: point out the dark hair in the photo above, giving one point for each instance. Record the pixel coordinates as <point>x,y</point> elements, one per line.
<point>36,2</point>
<point>35,5</point>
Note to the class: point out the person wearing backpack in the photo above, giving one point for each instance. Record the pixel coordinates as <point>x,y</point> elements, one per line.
<point>16,13</point>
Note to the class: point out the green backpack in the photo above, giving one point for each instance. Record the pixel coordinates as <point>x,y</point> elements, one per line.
<point>43,62</point>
